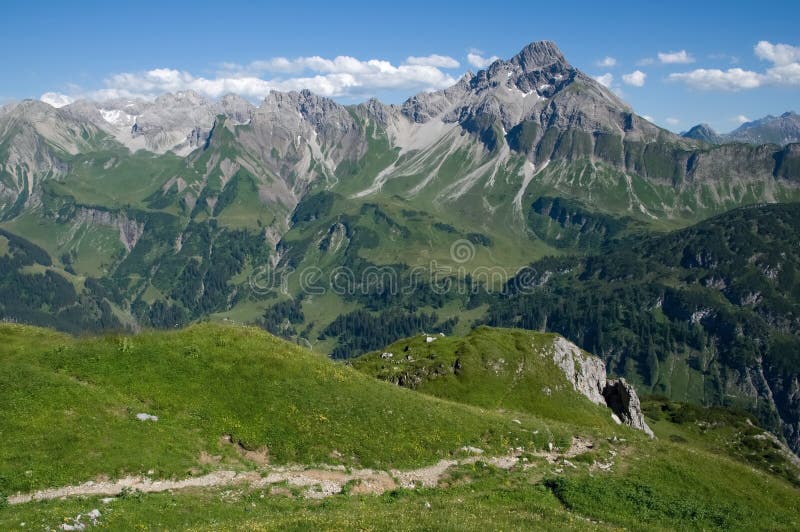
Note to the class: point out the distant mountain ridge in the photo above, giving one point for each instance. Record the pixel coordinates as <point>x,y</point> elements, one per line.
<point>781,130</point>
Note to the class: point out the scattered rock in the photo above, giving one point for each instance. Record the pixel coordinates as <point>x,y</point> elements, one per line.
<point>472,450</point>
<point>146,417</point>
<point>81,522</point>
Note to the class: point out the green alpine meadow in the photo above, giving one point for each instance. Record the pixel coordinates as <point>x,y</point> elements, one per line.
<point>281,294</point>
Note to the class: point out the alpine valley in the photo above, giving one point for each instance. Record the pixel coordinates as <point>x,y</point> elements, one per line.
<point>525,196</point>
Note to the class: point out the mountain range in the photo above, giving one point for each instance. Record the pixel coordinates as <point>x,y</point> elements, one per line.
<point>132,214</point>
<point>781,130</point>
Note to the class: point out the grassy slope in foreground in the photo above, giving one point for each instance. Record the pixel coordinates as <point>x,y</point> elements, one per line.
<point>668,483</point>
<point>68,408</point>
<point>510,369</point>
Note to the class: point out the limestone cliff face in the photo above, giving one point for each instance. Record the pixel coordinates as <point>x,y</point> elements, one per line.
<point>130,230</point>
<point>622,399</point>
<point>587,374</point>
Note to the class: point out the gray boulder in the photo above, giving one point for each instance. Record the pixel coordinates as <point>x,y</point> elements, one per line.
<point>621,398</point>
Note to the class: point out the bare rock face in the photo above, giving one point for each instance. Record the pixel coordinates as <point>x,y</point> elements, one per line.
<point>33,137</point>
<point>236,108</point>
<point>781,130</point>
<point>178,122</point>
<point>621,398</point>
<point>587,374</point>
<point>291,131</point>
<point>130,230</point>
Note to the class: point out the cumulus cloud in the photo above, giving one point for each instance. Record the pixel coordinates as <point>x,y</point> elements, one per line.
<point>672,121</point>
<point>785,70</point>
<point>779,54</point>
<point>605,79</point>
<point>681,57</point>
<point>477,59</point>
<point>341,76</point>
<point>606,62</point>
<point>635,78</point>
<point>56,99</point>
<point>648,118</point>
<point>434,60</point>
<point>741,119</point>
<point>716,79</point>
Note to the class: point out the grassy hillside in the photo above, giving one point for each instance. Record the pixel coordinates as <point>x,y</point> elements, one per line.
<point>508,369</point>
<point>69,415</point>
<point>69,406</point>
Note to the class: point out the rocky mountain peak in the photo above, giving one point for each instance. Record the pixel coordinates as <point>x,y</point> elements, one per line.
<point>237,108</point>
<point>703,132</point>
<point>539,55</point>
<point>31,110</point>
<point>187,97</point>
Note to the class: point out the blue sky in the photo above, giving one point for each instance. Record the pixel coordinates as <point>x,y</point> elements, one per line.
<point>711,68</point>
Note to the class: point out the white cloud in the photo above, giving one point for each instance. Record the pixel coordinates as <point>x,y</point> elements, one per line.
<point>741,119</point>
<point>56,99</point>
<point>606,62</point>
<point>341,76</point>
<point>784,75</point>
<point>779,54</point>
<point>605,79</point>
<point>785,70</point>
<point>645,61</point>
<point>635,78</point>
<point>672,121</point>
<point>477,59</point>
<point>715,79</point>
<point>434,60</point>
<point>648,118</point>
<point>675,58</point>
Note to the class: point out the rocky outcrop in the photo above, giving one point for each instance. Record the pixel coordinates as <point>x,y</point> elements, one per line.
<point>587,374</point>
<point>130,230</point>
<point>621,398</point>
